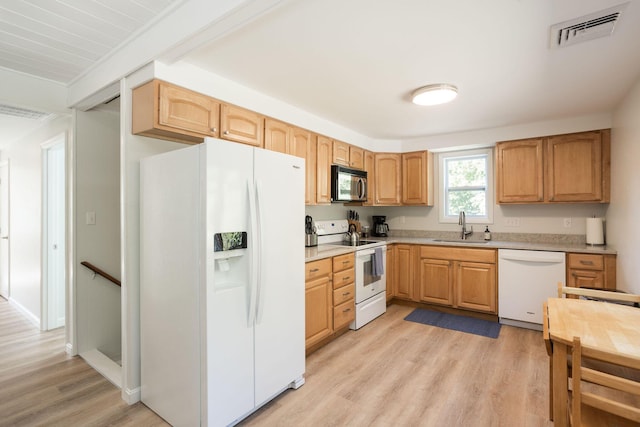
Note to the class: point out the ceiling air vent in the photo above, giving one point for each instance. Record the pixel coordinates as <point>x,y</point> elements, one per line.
<point>9,110</point>
<point>588,27</point>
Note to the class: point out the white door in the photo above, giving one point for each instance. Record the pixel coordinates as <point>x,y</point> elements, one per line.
<point>55,235</point>
<point>279,336</point>
<point>4,230</point>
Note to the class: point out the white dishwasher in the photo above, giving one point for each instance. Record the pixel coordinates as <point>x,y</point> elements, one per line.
<point>525,280</point>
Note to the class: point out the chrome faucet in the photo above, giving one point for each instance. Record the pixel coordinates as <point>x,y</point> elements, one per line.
<point>462,220</point>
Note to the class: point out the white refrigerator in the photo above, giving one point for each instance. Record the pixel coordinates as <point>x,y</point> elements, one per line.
<point>221,281</point>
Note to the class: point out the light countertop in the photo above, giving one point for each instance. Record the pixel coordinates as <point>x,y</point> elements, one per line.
<point>326,251</point>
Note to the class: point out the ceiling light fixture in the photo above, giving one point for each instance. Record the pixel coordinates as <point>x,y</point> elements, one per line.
<point>434,94</point>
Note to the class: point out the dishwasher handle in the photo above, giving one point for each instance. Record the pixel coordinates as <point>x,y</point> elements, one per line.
<point>550,260</point>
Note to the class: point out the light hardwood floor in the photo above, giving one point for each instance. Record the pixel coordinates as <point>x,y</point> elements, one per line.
<point>389,373</point>
<point>40,385</point>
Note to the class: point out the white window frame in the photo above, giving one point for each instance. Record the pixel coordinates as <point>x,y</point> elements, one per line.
<point>489,192</point>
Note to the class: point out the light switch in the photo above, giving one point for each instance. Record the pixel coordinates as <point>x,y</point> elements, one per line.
<point>90,218</point>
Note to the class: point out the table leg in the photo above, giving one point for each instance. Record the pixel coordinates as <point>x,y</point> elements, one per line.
<point>560,378</point>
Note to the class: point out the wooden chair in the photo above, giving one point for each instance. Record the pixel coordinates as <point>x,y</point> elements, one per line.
<point>599,398</point>
<point>567,291</point>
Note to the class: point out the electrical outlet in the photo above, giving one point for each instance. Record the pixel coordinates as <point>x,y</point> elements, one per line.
<point>512,222</point>
<point>567,223</point>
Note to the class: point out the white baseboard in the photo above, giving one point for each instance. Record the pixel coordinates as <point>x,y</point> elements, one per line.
<point>105,366</point>
<point>131,396</point>
<point>29,315</point>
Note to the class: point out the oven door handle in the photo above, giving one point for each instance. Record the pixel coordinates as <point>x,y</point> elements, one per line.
<point>366,252</point>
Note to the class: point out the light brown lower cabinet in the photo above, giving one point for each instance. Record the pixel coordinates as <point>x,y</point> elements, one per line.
<point>458,277</point>
<point>318,301</point>
<point>329,297</point>
<point>597,271</point>
<point>403,283</point>
<point>391,271</point>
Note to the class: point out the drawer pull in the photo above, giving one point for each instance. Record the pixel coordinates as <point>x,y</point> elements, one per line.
<point>345,278</point>
<point>584,262</point>
<point>346,262</point>
<point>346,310</point>
<point>314,270</point>
<point>344,294</point>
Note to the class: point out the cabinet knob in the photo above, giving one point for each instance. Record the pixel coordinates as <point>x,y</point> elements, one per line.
<point>214,129</point>
<point>226,132</point>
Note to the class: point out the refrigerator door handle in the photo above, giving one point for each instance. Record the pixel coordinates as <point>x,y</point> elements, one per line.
<point>261,251</point>
<point>254,264</point>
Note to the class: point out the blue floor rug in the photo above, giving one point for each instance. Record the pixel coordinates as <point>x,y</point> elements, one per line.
<point>469,325</point>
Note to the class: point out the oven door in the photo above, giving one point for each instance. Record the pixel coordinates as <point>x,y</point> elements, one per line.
<point>368,284</point>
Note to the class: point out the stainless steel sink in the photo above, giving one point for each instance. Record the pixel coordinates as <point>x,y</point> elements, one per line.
<point>475,242</point>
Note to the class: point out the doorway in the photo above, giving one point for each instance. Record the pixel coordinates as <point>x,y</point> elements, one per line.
<point>53,251</point>
<point>4,230</point>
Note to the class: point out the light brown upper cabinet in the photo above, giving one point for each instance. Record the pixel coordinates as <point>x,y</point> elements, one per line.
<point>578,167</point>
<point>388,178</point>
<point>302,144</point>
<point>165,111</point>
<point>417,178</point>
<point>369,167</point>
<point>340,153</point>
<point>347,155</point>
<point>276,136</point>
<point>323,170</point>
<point>240,125</point>
<point>564,168</point>
<point>520,170</point>
<point>356,157</point>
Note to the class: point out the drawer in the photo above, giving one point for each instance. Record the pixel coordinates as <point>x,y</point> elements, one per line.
<point>318,268</point>
<point>343,314</point>
<point>343,278</point>
<point>585,261</point>
<point>343,294</point>
<point>343,262</point>
<point>587,279</point>
<point>459,254</point>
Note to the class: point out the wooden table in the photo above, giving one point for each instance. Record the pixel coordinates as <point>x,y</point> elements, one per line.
<point>611,327</point>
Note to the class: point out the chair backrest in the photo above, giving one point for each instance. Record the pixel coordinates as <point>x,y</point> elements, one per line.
<point>594,293</point>
<point>607,402</point>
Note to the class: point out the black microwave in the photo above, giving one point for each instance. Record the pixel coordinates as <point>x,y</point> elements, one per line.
<point>348,185</point>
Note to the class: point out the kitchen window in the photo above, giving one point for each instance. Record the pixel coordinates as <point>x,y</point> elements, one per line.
<point>466,179</point>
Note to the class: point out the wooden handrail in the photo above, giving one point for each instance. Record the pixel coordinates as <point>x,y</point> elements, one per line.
<point>97,271</point>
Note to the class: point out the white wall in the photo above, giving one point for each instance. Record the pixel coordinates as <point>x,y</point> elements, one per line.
<point>25,215</point>
<point>97,189</point>
<point>622,220</point>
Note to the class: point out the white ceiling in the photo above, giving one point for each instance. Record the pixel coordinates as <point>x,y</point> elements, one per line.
<point>356,62</point>
<point>62,39</point>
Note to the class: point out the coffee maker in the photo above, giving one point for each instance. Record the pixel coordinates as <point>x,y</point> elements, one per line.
<point>380,227</point>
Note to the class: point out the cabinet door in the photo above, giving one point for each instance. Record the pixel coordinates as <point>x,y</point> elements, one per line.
<point>476,286</point>
<point>318,310</point>
<point>187,111</point>
<point>403,279</point>
<point>323,171</point>
<point>276,136</point>
<point>340,153</point>
<point>356,157</point>
<point>417,178</point>
<point>519,171</point>
<point>311,166</point>
<point>388,179</point>
<point>586,279</point>
<point>574,168</point>
<point>436,281</point>
<point>240,125</point>
<point>391,271</point>
<point>369,162</point>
